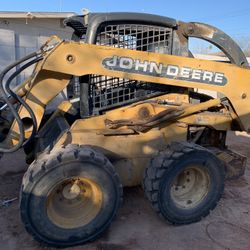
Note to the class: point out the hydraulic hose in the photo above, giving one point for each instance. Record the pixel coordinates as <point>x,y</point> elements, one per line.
<point>19,99</point>
<point>11,106</point>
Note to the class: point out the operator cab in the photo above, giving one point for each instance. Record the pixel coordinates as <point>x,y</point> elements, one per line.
<point>136,31</point>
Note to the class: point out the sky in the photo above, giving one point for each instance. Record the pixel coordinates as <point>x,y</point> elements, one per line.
<point>232,16</point>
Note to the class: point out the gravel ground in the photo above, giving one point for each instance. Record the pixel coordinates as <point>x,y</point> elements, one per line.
<point>137,226</point>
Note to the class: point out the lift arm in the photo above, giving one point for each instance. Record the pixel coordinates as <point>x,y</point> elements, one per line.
<point>69,59</point>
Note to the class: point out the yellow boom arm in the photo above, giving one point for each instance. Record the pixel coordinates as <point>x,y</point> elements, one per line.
<point>69,59</point>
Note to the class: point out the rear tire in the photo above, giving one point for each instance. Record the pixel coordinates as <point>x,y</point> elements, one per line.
<point>70,196</point>
<point>184,182</point>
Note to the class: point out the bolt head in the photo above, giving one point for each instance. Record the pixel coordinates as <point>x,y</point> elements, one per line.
<point>243,96</point>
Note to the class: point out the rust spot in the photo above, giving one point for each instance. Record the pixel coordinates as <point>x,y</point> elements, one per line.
<point>143,113</point>
<point>181,33</point>
<point>193,29</point>
<point>199,30</point>
<point>190,29</point>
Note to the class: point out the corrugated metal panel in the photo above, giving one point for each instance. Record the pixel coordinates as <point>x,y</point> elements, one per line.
<point>10,14</point>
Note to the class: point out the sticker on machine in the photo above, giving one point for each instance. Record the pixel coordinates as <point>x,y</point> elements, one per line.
<point>151,68</point>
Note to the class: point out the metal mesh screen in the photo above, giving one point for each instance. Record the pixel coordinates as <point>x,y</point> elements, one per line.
<point>136,37</point>
<point>107,92</point>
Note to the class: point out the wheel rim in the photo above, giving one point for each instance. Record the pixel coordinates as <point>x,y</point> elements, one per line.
<point>190,187</point>
<point>74,202</point>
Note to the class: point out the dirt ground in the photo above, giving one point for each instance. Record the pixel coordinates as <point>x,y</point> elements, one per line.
<point>137,226</point>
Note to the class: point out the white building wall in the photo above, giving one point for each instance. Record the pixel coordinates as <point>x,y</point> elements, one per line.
<point>21,36</point>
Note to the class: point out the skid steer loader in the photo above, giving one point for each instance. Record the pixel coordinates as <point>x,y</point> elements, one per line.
<point>133,116</point>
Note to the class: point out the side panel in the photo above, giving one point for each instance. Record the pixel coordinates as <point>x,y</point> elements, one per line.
<point>128,150</point>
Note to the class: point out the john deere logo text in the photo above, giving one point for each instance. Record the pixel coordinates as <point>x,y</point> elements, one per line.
<point>151,68</point>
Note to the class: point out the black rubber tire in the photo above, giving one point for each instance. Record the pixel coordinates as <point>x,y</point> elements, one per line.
<point>163,169</point>
<point>73,160</point>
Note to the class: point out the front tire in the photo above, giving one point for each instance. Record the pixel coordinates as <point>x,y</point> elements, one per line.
<point>70,196</point>
<point>184,182</point>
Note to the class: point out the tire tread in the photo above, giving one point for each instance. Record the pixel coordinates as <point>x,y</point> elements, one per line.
<point>50,160</point>
<point>159,164</point>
